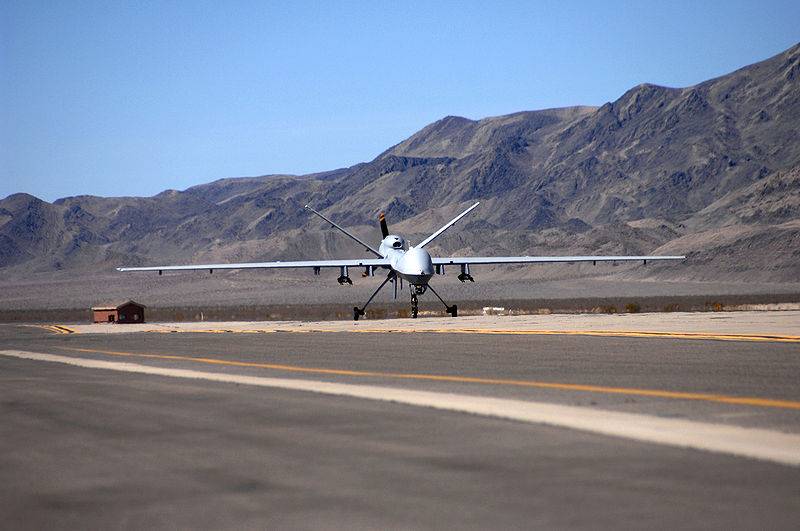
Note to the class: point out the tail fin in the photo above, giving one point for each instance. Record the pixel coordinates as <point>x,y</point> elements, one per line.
<point>452,222</point>
<point>384,227</point>
<point>349,235</point>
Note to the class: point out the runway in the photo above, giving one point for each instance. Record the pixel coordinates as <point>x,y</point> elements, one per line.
<point>735,326</point>
<point>91,446</point>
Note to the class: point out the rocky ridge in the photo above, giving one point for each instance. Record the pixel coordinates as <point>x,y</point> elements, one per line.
<point>711,171</point>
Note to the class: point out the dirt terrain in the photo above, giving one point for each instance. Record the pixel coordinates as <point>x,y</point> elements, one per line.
<point>245,295</point>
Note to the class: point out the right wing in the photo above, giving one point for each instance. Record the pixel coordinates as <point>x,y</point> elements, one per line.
<point>546,259</point>
<point>364,262</point>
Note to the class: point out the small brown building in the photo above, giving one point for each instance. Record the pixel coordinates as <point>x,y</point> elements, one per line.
<point>125,313</point>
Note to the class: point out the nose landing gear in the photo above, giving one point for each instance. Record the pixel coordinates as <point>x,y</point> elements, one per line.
<point>452,310</point>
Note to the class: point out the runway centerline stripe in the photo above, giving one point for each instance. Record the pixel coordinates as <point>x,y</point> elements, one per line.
<point>677,395</point>
<point>754,443</point>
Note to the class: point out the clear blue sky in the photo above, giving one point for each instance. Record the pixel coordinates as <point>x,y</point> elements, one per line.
<point>131,98</point>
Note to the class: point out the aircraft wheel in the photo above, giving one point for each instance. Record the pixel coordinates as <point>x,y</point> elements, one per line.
<point>453,310</point>
<point>356,313</point>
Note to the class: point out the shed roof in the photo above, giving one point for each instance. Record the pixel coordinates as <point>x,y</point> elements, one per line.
<point>117,306</point>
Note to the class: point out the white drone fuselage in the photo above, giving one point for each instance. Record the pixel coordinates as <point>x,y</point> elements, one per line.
<point>413,265</point>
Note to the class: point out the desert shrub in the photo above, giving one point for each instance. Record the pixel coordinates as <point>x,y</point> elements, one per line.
<point>633,307</point>
<point>673,307</point>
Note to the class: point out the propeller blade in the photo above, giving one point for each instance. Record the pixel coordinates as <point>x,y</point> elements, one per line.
<point>384,226</point>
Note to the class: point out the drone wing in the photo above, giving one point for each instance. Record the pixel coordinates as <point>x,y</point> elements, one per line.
<point>314,264</point>
<point>486,260</point>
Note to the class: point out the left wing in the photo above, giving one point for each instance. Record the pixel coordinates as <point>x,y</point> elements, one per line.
<point>546,259</point>
<point>374,262</point>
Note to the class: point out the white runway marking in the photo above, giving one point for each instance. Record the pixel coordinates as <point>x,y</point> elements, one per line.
<point>745,442</point>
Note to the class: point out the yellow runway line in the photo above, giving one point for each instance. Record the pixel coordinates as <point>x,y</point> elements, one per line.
<point>56,329</point>
<point>677,395</point>
<point>602,333</point>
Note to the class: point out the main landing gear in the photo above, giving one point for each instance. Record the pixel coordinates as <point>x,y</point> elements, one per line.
<point>452,310</point>
<point>416,291</point>
<point>359,312</point>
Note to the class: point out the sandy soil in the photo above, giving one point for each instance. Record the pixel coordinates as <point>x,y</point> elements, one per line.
<point>240,288</point>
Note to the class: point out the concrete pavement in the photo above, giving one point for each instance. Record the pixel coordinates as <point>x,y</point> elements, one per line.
<point>745,323</point>
<point>86,447</point>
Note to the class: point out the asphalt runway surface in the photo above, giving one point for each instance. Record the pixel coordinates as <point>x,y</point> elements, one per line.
<point>90,447</point>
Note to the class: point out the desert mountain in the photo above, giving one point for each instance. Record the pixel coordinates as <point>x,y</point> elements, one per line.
<point>711,171</point>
